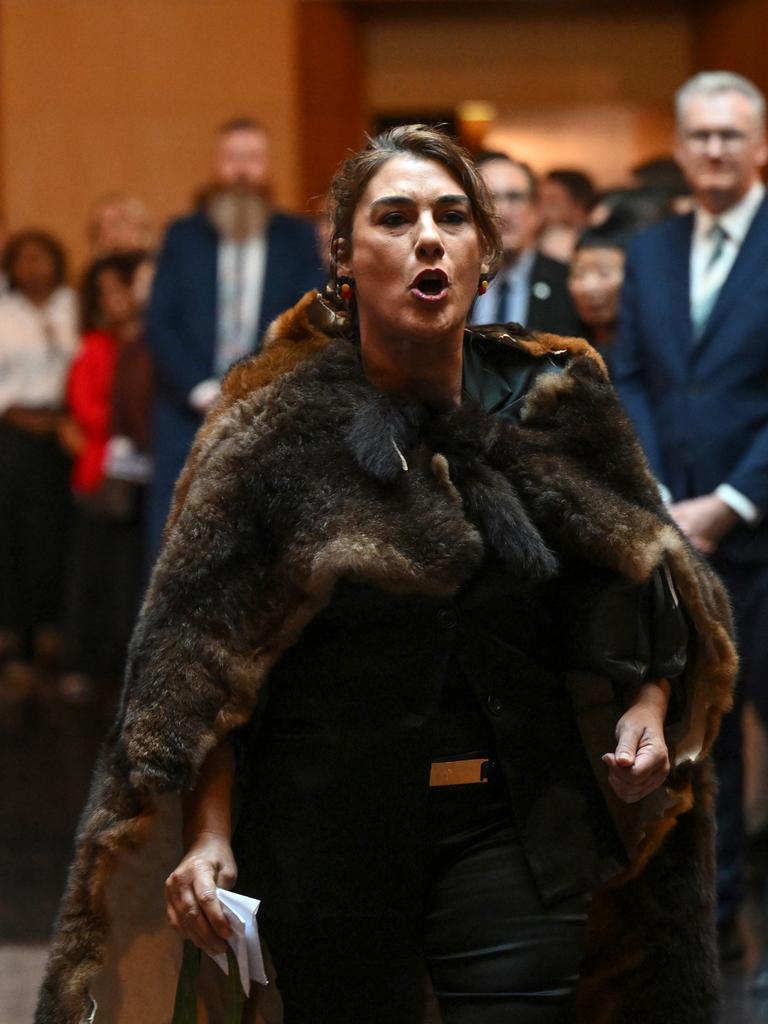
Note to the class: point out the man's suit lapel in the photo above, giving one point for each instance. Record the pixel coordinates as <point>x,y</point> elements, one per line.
<point>206,270</point>
<point>272,300</point>
<point>750,261</point>
<point>677,283</point>
<point>539,295</point>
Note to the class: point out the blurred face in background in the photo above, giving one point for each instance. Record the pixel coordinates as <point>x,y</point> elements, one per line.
<point>721,147</point>
<point>558,205</point>
<point>594,281</point>
<point>242,159</point>
<point>119,223</point>
<point>515,206</point>
<point>142,283</point>
<point>34,271</point>
<point>117,300</point>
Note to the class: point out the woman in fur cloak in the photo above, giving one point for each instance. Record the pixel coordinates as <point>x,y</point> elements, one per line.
<point>418,598</point>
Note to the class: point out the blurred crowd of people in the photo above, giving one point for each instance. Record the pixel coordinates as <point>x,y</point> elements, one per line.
<point>102,389</point>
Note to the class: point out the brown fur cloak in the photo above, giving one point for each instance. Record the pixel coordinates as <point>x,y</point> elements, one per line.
<point>254,546</point>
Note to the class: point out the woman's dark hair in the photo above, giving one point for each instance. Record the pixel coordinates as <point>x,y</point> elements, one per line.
<point>577,184</point>
<point>644,205</point>
<point>46,241</point>
<point>425,143</point>
<point>123,264</point>
<point>614,233</point>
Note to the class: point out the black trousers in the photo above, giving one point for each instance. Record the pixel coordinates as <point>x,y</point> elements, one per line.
<point>103,593</point>
<point>495,953</point>
<point>748,589</point>
<point>35,512</point>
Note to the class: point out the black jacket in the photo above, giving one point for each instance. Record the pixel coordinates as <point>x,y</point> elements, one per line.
<point>344,746</point>
<point>550,307</point>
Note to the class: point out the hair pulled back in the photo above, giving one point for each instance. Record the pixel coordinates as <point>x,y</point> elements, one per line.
<point>424,143</point>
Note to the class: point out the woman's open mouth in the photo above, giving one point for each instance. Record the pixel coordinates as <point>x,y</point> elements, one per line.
<point>430,285</point>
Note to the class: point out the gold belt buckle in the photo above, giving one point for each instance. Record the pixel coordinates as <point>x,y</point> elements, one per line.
<point>459,773</point>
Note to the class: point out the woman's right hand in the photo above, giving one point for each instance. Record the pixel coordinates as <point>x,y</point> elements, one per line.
<point>190,892</point>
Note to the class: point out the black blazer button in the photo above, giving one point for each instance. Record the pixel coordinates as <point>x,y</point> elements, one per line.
<point>447,618</point>
<point>493,704</point>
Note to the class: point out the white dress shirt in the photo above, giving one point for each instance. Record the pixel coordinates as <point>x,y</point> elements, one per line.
<point>735,222</point>
<point>518,280</point>
<point>240,286</point>
<point>37,344</point>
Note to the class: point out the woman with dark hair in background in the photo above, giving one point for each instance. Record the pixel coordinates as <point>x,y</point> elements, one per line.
<point>38,339</point>
<point>105,572</point>
<point>405,596</point>
<point>567,197</point>
<point>595,277</point>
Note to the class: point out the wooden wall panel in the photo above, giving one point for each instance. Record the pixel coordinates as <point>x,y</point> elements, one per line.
<point>98,95</point>
<point>733,35</point>
<point>332,101</point>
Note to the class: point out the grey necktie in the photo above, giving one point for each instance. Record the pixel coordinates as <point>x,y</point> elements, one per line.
<point>702,310</point>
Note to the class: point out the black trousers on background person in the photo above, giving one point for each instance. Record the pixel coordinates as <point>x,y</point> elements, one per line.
<point>495,953</point>
<point>35,513</point>
<point>747,586</point>
<point>103,592</point>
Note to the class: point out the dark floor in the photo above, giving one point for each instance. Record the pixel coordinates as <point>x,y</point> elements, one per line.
<point>47,749</point>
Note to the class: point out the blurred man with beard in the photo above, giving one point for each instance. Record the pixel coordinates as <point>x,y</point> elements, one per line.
<point>224,273</point>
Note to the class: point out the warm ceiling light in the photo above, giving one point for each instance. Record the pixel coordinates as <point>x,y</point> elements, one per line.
<point>476,110</point>
<point>474,118</point>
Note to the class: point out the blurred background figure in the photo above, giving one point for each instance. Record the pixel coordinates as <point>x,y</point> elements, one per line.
<point>119,222</point>
<point>530,288</point>
<point>224,272</point>
<point>595,277</point>
<point>664,174</point>
<point>567,196</point>
<point>38,338</point>
<point>108,396</point>
<point>642,204</point>
<point>691,366</point>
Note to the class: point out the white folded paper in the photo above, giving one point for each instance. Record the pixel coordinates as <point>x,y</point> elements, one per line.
<point>240,912</point>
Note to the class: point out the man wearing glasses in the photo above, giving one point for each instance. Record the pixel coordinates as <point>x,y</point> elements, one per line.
<point>691,366</point>
<point>530,289</point>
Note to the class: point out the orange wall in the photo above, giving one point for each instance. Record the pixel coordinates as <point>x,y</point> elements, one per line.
<point>587,89</point>
<point>97,95</point>
<point>734,35</point>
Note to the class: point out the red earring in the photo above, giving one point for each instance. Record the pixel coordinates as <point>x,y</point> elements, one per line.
<point>482,288</point>
<point>346,288</point>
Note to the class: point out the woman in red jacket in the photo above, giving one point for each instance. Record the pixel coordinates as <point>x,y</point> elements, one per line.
<point>104,581</point>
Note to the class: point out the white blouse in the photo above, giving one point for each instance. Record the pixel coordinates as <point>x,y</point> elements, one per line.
<point>37,344</point>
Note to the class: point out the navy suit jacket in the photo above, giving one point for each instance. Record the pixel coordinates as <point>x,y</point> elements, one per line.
<point>551,309</point>
<point>700,407</point>
<point>181,329</point>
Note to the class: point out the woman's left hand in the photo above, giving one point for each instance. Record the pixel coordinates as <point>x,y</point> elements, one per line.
<point>640,762</point>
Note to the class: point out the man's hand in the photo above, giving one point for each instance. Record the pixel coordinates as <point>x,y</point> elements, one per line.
<point>704,521</point>
<point>640,762</point>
